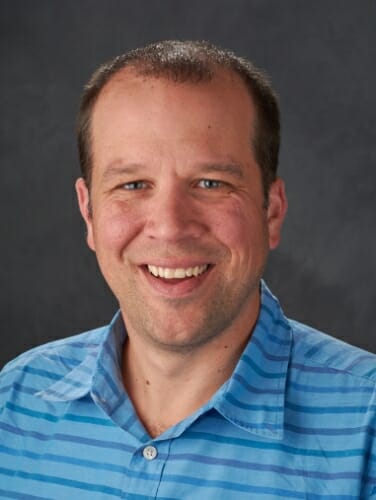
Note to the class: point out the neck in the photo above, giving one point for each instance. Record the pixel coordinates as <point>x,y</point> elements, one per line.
<point>167,386</point>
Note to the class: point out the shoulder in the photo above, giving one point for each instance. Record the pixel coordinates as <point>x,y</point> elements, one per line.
<point>72,348</point>
<point>313,348</point>
<point>49,362</point>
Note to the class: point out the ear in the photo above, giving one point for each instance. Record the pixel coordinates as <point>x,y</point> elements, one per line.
<point>83,197</point>
<point>276,211</point>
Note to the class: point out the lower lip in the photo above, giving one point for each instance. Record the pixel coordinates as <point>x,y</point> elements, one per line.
<point>175,288</point>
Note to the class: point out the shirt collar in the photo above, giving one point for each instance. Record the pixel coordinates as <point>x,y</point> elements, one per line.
<point>254,396</point>
<point>102,360</point>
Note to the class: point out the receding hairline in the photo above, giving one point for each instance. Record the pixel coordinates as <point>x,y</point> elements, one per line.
<point>133,70</point>
<point>219,73</point>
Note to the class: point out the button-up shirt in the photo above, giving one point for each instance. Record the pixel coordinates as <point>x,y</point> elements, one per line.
<point>295,420</point>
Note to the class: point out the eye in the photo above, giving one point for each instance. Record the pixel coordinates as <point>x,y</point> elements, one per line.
<point>134,185</point>
<point>210,184</point>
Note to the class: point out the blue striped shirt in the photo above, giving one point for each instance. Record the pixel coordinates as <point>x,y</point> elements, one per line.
<point>295,420</point>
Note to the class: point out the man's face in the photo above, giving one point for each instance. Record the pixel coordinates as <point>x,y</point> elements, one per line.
<point>178,221</point>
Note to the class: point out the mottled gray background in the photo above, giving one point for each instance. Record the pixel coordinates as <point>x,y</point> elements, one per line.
<point>321,57</point>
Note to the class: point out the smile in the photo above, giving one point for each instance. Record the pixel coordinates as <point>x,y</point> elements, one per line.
<point>177,273</point>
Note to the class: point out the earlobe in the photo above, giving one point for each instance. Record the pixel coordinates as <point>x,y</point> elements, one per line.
<point>83,198</point>
<point>277,208</point>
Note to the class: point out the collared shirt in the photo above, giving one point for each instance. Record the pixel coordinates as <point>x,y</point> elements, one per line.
<point>295,420</point>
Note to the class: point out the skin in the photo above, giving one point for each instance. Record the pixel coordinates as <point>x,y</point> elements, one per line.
<point>175,184</point>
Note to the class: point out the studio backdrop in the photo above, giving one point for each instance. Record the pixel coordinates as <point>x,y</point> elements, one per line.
<point>320,57</point>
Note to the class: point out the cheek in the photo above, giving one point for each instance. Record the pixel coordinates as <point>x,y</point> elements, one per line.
<point>242,229</point>
<point>115,225</point>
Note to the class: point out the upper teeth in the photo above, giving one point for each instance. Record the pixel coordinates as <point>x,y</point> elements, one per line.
<point>169,273</point>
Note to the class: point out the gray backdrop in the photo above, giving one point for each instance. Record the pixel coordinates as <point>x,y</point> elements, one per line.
<point>321,57</point>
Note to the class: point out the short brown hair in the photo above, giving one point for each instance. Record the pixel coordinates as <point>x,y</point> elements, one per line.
<point>189,61</point>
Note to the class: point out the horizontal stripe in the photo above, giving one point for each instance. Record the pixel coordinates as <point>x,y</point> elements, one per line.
<point>268,355</point>
<point>42,373</point>
<point>252,407</point>
<point>259,445</point>
<point>70,438</point>
<point>329,409</point>
<point>323,389</point>
<point>314,369</point>
<point>266,467</point>
<point>44,478</point>
<point>91,464</point>
<point>358,360</point>
<point>21,496</point>
<point>334,431</point>
<point>72,362</point>
<point>259,370</point>
<point>281,341</point>
<point>53,418</point>
<point>316,348</point>
<point>256,390</point>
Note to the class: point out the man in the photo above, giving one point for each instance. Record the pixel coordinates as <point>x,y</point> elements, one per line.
<point>200,388</point>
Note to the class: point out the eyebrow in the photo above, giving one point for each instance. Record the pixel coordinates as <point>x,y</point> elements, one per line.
<point>116,169</point>
<point>228,168</point>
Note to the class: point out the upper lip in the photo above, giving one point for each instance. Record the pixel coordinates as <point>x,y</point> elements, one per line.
<point>176,263</point>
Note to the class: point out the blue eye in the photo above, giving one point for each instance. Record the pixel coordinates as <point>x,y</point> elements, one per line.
<point>133,186</point>
<point>209,183</point>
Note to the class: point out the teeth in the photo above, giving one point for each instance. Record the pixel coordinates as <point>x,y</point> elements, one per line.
<point>170,273</point>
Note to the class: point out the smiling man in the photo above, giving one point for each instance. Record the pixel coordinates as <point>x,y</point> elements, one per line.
<point>200,387</point>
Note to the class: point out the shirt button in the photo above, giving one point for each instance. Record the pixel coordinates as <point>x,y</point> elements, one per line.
<point>150,452</point>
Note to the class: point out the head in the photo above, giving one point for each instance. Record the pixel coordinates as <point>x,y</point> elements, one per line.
<point>192,62</point>
<point>170,145</point>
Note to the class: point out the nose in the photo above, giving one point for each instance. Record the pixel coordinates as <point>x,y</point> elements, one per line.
<point>173,215</point>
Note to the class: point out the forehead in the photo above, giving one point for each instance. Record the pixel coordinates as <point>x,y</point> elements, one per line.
<point>133,108</point>
<point>224,88</point>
